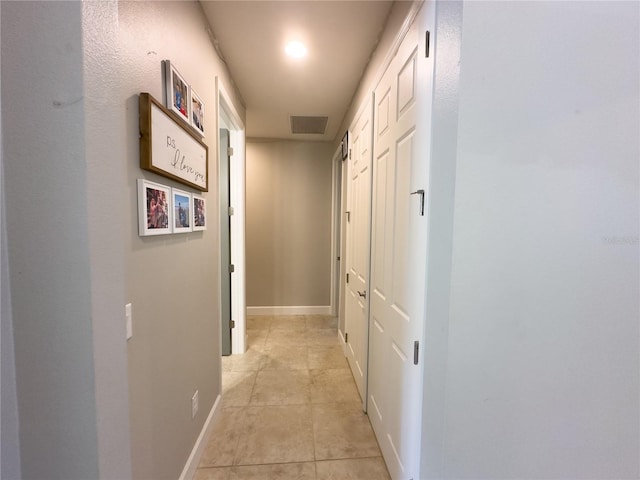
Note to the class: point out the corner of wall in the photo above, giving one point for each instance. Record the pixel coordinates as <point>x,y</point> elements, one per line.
<point>9,420</point>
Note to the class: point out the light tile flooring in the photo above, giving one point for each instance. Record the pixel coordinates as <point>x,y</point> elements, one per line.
<point>290,409</point>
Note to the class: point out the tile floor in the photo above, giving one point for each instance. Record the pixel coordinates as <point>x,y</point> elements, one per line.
<point>290,409</point>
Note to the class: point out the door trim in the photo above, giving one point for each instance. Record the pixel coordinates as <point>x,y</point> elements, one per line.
<point>237,170</point>
<point>336,232</point>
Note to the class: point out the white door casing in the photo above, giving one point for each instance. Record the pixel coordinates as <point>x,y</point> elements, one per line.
<point>230,118</point>
<point>402,106</point>
<point>358,247</point>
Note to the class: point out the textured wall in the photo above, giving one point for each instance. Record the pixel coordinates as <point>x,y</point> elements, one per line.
<point>47,233</point>
<point>89,400</point>
<point>9,433</point>
<point>542,368</point>
<point>288,223</point>
<point>172,281</point>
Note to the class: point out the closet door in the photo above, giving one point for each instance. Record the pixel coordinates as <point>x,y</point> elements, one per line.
<point>358,247</point>
<point>402,104</point>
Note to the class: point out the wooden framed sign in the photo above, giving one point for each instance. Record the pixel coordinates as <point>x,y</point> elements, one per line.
<point>169,148</point>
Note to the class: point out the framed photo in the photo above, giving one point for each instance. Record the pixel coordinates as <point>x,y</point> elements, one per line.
<point>199,213</point>
<point>154,208</point>
<point>178,97</point>
<point>345,145</point>
<point>182,208</point>
<point>197,113</point>
<point>171,148</point>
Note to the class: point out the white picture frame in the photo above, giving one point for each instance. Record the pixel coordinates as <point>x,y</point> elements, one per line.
<point>197,112</point>
<point>182,211</point>
<point>154,208</point>
<point>178,92</point>
<point>199,213</point>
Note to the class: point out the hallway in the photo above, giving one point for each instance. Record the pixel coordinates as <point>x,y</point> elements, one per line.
<point>290,408</point>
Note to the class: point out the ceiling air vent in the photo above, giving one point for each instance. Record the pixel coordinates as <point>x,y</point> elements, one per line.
<point>316,125</point>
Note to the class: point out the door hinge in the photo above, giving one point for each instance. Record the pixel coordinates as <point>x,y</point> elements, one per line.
<point>346,338</point>
<point>231,211</point>
<point>230,151</point>
<point>232,268</point>
<point>347,278</point>
<point>348,216</point>
<point>416,347</point>
<point>233,324</point>
<point>338,258</point>
<point>426,45</point>
<point>349,154</point>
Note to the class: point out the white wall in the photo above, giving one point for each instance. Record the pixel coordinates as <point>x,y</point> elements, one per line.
<point>46,219</point>
<point>542,365</point>
<point>103,113</point>
<point>91,404</point>
<point>440,205</point>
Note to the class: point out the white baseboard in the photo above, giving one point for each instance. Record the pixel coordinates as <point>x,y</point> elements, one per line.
<point>288,310</point>
<point>189,470</point>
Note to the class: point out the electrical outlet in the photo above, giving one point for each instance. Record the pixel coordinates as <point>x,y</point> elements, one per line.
<point>194,405</point>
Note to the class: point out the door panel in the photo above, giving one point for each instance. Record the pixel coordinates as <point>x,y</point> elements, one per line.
<point>225,242</point>
<point>358,248</point>
<point>398,255</point>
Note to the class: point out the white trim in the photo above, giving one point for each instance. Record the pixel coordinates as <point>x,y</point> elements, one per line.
<point>191,466</point>
<point>336,170</point>
<point>290,310</point>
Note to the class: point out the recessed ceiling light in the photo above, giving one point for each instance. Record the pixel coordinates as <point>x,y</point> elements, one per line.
<point>296,49</point>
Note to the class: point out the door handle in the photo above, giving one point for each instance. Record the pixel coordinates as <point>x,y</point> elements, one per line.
<point>421,193</point>
<point>362,294</point>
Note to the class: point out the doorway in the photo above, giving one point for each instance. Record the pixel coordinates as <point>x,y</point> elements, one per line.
<point>336,228</point>
<point>234,217</point>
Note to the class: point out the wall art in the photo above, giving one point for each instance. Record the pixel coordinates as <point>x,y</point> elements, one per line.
<point>177,91</point>
<point>154,208</point>
<point>199,213</point>
<point>182,211</point>
<point>197,113</point>
<point>171,148</point>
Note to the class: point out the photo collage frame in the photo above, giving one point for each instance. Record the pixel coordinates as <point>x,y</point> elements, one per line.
<point>182,100</point>
<point>165,210</point>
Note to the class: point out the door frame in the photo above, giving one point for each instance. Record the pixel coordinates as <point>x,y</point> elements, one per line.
<point>367,104</point>
<point>229,118</point>
<point>337,291</point>
<point>224,225</point>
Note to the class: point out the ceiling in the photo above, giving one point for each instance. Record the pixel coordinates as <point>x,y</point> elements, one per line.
<point>340,37</point>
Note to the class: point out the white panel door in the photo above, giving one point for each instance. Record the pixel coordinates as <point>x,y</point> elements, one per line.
<point>358,248</point>
<point>402,105</point>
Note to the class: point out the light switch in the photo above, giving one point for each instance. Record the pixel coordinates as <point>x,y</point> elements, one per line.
<point>128,320</point>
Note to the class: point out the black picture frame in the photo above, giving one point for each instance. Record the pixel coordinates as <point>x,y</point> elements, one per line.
<point>345,145</point>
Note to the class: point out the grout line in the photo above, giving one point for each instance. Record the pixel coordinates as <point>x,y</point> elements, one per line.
<point>240,434</point>
<point>270,464</point>
<point>368,457</point>
<point>310,335</point>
